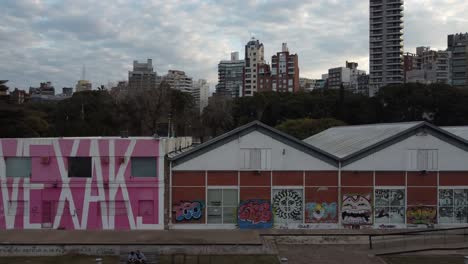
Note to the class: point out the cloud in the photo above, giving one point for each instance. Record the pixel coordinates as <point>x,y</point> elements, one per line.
<point>50,40</point>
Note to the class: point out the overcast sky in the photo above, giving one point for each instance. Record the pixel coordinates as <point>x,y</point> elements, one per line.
<point>50,40</point>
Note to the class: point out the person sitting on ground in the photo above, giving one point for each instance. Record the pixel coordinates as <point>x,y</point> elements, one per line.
<point>140,257</point>
<point>132,258</point>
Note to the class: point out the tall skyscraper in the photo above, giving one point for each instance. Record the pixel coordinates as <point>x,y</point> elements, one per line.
<point>285,71</point>
<point>230,76</point>
<point>458,46</point>
<point>254,57</point>
<point>142,77</point>
<point>385,43</point>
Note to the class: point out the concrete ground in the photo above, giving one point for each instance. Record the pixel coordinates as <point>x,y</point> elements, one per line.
<point>327,254</point>
<point>164,237</point>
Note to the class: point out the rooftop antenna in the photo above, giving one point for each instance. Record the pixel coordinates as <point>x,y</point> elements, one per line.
<point>83,73</point>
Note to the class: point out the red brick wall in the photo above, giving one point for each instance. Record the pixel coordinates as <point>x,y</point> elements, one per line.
<point>359,178</point>
<point>390,178</point>
<point>453,178</point>
<point>248,193</point>
<point>222,178</point>
<point>321,178</point>
<point>288,178</point>
<point>251,178</point>
<point>189,178</point>
<point>422,196</point>
<point>422,179</point>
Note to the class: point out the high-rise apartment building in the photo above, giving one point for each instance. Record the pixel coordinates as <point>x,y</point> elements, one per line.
<point>201,92</point>
<point>254,57</point>
<point>179,80</point>
<point>230,76</point>
<point>348,77</point>
<point>264,78</point>
<point>143,77</point>
<point>458,46</point>
<point>385,43</point>
<point>285,71</point>
<point>427,66</point>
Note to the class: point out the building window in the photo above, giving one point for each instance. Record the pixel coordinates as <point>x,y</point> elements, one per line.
<point>389,206</point>
<point>423,159</point>
<point>144,167</point>
<point>288,205</point>
<point>18,167</point>
<point>79,167</point>
<point>453,206</point>
<point>222,206</point>
<point>256,159</point>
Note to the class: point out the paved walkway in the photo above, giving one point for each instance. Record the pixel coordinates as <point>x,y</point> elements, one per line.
<point>327,254</point>
<point>163,237</point>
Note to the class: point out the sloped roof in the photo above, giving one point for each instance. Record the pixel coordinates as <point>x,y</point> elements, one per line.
<point>350,143</point>
<point>246,129</point>
<point>461,131</point>
<point>345,140</point>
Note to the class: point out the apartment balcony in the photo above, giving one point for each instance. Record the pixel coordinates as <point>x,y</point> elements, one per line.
<point>394,8</point>
<point>394,13</point>
<point>376,3</point>
<point>400,26</point>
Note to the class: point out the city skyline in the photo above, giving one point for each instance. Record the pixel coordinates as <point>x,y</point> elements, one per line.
<point>51,40</point>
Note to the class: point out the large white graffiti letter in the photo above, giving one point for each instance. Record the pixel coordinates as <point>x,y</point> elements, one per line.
<point>101,197</point>
<point>65,193</point>
<point>118,181</point>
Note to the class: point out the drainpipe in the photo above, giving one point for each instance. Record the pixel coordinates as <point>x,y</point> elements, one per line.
<point>339,195</point>
<point>169,214</point>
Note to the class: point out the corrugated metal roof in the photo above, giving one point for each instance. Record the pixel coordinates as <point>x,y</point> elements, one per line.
<point>461,131</point>
<point>347,140</point>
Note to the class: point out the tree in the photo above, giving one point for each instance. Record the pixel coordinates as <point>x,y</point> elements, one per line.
<point>217,116</point>
<point>306,127</point>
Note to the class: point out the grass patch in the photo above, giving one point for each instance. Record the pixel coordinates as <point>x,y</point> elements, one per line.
<point>69,259</point>
<point>424,259</point>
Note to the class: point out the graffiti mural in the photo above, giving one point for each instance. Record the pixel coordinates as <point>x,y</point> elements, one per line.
<point>288,206</point>
<point>424,215</point>
<point>321,212</point>
<point>356,209</point>
<point>188,211</point>
<point>453,206</point>
<point>255,214</point>
<point>105,197</point>
<point>389,206</point>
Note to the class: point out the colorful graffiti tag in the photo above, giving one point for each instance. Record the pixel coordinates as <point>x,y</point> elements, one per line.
<point>421,215</point>
<point>188,210</point>
<point>356,209</point>
<point>321,212</point>
<point>255,214</point>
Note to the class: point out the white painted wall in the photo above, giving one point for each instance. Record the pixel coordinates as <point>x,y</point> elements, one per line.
<point>228,157</point>
<point>396,158</point>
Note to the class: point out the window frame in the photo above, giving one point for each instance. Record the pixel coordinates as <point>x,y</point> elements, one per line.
<point>70,164</point>
<point>29,161</point>
<point>155,162</point>
<point>453,206</point>
<point>389,206</point>
<point>222,206</point>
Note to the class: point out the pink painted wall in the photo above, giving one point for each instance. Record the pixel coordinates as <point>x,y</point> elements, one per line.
<point>112,199</point>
